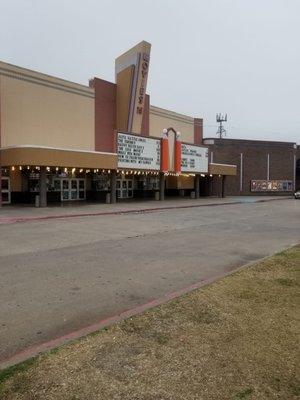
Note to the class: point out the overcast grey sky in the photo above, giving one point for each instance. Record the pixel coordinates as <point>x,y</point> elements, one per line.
<point>236,56</point>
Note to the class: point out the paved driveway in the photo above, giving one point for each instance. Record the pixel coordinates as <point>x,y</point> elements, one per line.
<point>60,275</point>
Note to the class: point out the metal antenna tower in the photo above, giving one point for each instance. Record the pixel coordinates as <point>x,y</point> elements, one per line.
<point>221,130</point>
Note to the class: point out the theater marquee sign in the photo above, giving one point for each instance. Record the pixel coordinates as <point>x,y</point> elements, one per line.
<point>194,158</point>
<point>138,152</point>
<point>131,76</point>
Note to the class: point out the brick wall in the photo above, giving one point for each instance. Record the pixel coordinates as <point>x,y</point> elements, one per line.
<point>255,162</point>
<point>105,115</point>
<point>198,130</point>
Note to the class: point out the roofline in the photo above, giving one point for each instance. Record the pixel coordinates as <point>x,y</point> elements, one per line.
<point>14,70</point>
<point>250,140</point>
<point>169,113</point>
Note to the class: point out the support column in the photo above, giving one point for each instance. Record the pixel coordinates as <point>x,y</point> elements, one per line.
<point>220,185</point>
<point>197,186</point>
<point>113,187</point>
<point>223,185</point>
<point>161,186</point>
<point>210,186</point>
<point>43,187</point>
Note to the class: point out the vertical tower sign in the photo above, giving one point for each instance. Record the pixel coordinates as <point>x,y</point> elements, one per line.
<point>131,70</point>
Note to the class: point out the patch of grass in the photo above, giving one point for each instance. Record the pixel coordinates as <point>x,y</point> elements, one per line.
<point>295,389</point>
<point>143,329</point>
<point>20,383</point>
<point>160,338</point>
<point>12,371</point>
<point>53,351</point>
<point>286,282</point>
<point>244,394</point>
<point>204,316</point>
<point>247,294</point>
<point>292,253</point>
<point>133,325</point>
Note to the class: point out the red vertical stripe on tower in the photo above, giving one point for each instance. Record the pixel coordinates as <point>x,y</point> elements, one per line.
<point>177,156</point>
<point>164,154</point>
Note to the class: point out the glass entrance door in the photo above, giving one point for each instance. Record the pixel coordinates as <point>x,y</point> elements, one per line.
<point>81,189</point>
<point>65,190</point>
<point>5,190</point>
<point>124,188</point>
<point>72,189</point>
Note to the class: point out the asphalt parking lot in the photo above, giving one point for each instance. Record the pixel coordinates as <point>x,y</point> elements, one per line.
<point>63,274</point>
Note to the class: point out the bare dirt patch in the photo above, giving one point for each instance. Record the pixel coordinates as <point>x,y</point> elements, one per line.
<point>234,339</point>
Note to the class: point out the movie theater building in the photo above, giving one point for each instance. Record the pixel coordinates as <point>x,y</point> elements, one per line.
<point>62,141</point>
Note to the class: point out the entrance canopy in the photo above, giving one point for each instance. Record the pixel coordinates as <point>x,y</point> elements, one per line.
<point>52,157</point>
<point>221,169</point>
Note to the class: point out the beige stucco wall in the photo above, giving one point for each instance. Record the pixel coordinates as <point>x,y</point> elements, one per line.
<point>44,111</point>
<point>160,118</point>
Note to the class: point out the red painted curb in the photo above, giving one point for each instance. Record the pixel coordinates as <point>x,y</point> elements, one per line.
<point>12,220</point>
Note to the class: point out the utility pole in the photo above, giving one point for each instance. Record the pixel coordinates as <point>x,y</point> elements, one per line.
<point>221,130</point>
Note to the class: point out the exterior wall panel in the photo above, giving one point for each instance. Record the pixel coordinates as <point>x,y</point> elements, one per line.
<point>124,88</point>
<point>35,114</point>
<point>255,161</point>
<point>198,130</point>
<point>160,119</point>
<point>105,115</point>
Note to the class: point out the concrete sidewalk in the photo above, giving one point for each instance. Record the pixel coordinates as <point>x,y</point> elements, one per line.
<point>24,213</point>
